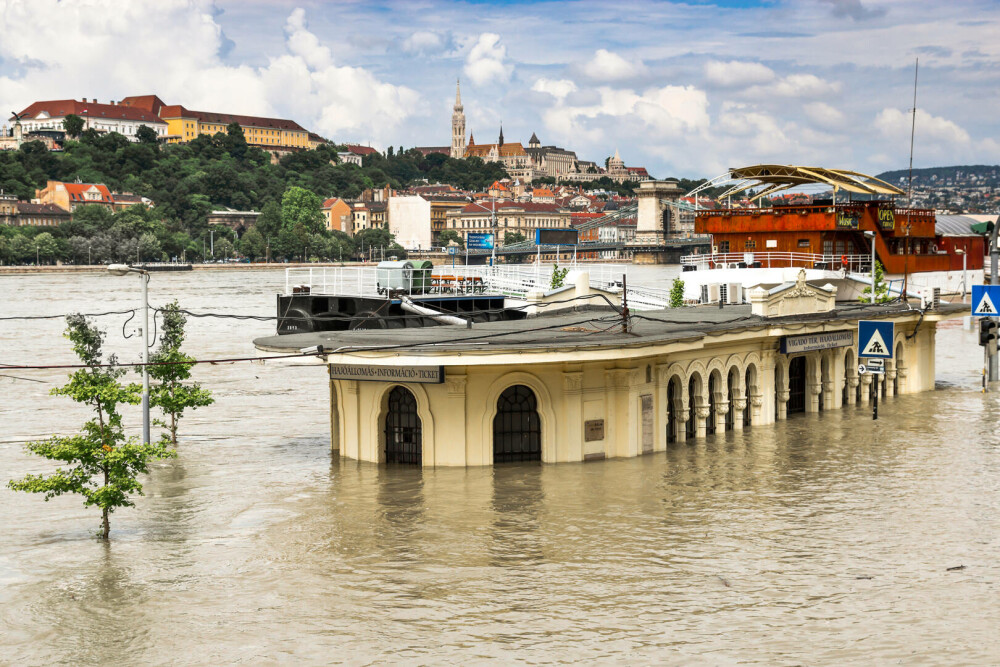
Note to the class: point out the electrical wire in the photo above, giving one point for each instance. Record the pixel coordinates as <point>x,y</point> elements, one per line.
<point>56,317</point>
<point>139,364</point>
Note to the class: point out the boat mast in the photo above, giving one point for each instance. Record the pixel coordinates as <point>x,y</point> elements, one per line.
<point>913,129</point>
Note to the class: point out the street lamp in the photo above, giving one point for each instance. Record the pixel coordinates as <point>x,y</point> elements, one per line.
<point>962,252</point>
<point>871,235</point>
<point>121,270</point>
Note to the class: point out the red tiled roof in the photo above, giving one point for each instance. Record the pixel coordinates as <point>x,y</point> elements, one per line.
<point>179,111</point>
<point>63,108</point>
<point>637,170</point>
<point>358,149</point>
<point>76,191</point>
<point>147,102</point>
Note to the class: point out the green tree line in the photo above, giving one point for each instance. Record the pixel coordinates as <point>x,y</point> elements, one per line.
<point>187,181</point>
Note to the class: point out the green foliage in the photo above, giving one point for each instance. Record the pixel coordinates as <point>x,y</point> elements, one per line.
<point>103,465</point>
<point>146,135</point>
<point>881,287</point>
<point>512,238</point>
<point>253,244</point>
<point>171,369</point>
<point>187,181</point>
<point>449,235</point>
<point>301,207</point>
<point>73,125</point>
<point>677,293</point>
<point>558,277</point>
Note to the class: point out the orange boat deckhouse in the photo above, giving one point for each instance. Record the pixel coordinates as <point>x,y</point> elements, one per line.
<point>905,238</point>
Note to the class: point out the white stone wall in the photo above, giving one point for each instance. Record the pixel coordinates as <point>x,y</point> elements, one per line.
<point>410,221</point>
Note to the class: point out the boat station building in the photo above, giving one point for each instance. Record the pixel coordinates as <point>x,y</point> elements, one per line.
<point>584,384</point>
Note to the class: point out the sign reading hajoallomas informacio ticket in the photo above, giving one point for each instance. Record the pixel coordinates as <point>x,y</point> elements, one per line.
<point>423,374</point>
<point>820,341</point>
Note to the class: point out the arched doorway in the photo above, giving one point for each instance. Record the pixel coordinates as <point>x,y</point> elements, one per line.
<point>796,385</point>
<point>673,389</point>
<point>517,429</point>
<point>403,443</point>
<point>713,386</point>
<point>731,387</point>
<point>748,410</point>
<point>824,380</point>
<point>694,387</point>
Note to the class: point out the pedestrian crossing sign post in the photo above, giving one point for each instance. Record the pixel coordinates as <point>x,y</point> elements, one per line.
<point>875,339</point>
<point>986,300</point>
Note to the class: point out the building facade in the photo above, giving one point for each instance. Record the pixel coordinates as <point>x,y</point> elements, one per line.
<point>511,216</point>
<point>48,117</point>
<point>69,196</point>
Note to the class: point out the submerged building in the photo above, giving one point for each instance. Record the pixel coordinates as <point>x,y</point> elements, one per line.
<point>592,383</point>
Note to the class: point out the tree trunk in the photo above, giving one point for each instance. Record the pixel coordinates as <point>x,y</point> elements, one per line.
<point>104,510</point>
<point>173,429</point>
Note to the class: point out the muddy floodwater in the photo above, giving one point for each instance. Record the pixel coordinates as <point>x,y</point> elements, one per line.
<point>826,539</point>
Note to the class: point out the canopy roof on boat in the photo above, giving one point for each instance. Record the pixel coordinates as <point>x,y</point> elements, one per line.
<point>771,178</point>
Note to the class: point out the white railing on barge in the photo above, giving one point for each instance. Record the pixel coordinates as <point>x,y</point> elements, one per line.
<point>511,280</point>
<point>767,260</point>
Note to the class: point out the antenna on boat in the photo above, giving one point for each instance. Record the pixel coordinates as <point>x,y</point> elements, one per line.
<point>913,129</point>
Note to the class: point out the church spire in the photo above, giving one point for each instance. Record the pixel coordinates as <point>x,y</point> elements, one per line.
<point>500,142</point>
<point>458,94</point>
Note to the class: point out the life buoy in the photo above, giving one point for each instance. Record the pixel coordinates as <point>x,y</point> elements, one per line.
<point>843,260</point>
<point>933,248</point>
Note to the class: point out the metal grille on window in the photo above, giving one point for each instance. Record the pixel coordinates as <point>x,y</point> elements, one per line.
<point>517,429</point>
<point>402,429</point>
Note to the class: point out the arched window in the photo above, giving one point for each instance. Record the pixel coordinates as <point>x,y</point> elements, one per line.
<point>672,390</point>
<point>517,429</point>
<point>403,442</point>
<point>712,388</point>
<point>748,410</point>
<point>797,385</point>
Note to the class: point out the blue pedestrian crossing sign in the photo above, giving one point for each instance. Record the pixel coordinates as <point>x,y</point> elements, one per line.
<point>875,339</point>
<point>985,300</point>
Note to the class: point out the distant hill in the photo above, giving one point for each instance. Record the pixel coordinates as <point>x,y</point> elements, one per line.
<point>990,173</point>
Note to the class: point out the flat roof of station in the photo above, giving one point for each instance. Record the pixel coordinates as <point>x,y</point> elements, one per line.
<point>590,329</point>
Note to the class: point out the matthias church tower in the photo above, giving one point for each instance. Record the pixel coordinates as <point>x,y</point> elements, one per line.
<point>458,125</point>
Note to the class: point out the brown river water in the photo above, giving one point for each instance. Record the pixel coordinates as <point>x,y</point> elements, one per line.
<point>821,540</point>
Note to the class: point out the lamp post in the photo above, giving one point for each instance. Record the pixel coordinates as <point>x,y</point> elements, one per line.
<point>871,235</point>
<point>962,252</point>
<point>121,270</point>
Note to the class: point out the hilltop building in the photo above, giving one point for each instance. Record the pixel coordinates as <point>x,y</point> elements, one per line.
<point>47,118</point>
<point>535,161</point>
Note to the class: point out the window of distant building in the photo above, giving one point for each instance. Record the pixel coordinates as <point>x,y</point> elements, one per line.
<point>804,243</point>
<point>723,246</point>
<point>749,244</point>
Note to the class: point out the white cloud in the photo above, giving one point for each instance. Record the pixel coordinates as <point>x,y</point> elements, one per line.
<point>173,49</point>
<point>801,85</point>
<point>737,73</point>
<point>609,66</point>
<point>558,88</point>
<point>895,124</point>
<point>423,42</point>
<point>823,114</point>
<point>485,62</point>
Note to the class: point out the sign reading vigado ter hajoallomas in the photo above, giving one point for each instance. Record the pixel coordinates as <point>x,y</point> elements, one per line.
<point>820,341</point>
<point>423,374</point>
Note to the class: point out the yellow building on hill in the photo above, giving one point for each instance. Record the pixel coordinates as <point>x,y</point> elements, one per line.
<point>183,125</point>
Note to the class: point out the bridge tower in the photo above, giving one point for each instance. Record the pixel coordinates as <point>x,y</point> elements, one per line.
<point>655,213</point>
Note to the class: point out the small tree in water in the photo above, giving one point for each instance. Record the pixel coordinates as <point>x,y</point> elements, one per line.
<point>881,287</point>
<point>170,368</point>
<point>677,293</point>
<point>105,464</point>
<point>558,277</point>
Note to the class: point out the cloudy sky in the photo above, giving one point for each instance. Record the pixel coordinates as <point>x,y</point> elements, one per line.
<point>683,88</point>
